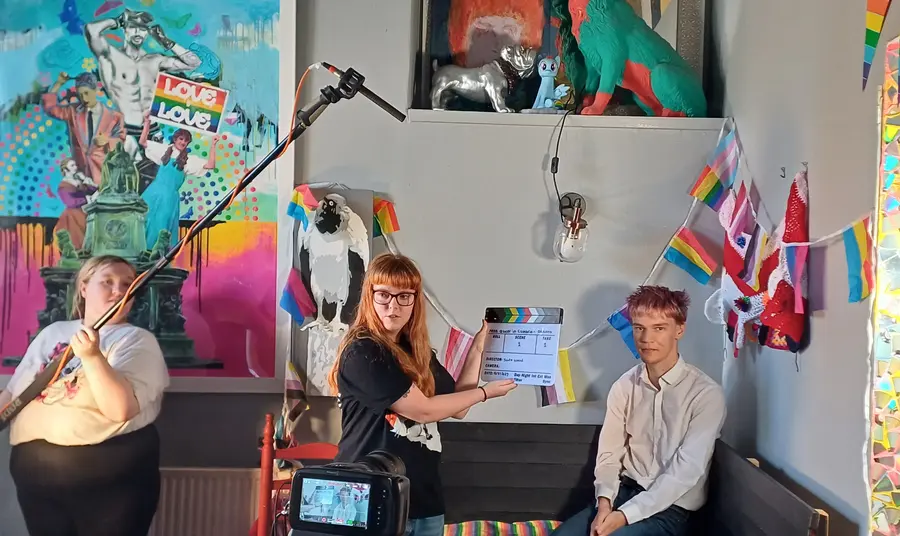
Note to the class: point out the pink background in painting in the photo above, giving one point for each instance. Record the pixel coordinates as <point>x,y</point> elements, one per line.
<point>230,314</point>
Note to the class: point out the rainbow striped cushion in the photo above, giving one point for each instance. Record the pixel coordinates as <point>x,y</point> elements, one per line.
<point>497,528</point>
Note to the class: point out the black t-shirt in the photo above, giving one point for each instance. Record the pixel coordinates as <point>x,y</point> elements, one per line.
<point>369,381</point>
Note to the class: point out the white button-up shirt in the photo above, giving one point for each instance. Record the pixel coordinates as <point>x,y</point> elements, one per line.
<point>662,438</point>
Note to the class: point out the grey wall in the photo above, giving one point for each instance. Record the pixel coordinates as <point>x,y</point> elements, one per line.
<point>474,202</point>
<point>475,211</point>
<point>793,74</point>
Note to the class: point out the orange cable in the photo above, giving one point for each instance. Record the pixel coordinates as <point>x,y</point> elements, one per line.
<point>68,352</point>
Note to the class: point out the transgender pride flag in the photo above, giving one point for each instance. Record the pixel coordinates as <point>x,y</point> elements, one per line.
<point>720,172</point>
<point>455,351</point>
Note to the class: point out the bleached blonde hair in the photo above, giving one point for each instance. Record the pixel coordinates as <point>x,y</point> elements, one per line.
<point>87,270</point>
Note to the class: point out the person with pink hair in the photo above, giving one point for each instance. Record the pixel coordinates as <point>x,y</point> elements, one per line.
<point>663,418</point>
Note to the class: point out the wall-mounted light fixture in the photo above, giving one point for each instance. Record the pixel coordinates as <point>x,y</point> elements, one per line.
<point>572,235</point>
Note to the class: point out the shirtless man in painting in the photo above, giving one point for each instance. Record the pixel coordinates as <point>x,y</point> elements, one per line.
<point>129,73</point>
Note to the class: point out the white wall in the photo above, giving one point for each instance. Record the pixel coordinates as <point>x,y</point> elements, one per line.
<point>475,210</point>
<point>793,74</point>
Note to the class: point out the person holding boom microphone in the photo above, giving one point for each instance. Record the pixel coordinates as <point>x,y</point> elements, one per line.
<point>85,455</point>
<point>393,391</point>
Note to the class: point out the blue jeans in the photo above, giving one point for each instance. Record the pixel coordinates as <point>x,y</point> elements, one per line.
<point>426,526</point>
<point>673,521</point>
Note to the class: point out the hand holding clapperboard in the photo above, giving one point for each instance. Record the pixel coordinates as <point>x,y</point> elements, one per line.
<point>186,104</point>
<point>522,344</point>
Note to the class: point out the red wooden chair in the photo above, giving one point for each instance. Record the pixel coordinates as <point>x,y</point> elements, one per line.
<point>324,452</point>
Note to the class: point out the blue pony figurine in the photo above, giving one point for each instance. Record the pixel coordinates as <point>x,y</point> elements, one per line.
<point>546,96</point>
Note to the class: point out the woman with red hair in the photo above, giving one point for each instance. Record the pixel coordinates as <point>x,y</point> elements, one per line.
<point>393,391</point>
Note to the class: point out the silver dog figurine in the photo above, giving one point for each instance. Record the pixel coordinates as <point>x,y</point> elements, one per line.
<point>489,83</point>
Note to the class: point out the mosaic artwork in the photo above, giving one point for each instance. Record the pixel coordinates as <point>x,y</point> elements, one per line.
<point>884,469</point>
<point>121,125</point>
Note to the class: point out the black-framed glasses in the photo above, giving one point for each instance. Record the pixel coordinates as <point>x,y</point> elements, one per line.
<point>404,299</point>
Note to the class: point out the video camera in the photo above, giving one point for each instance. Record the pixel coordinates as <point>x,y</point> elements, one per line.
<point>365,498</point>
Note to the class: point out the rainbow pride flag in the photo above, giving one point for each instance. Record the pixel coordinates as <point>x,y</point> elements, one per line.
<point>719,173</point>
<point>187,104</point>
<point>685,252</point>
<point>500,528</point>
<point>385,217</point>
<point>876,11</point>
<point>860,272</point>
<point>621,322</point>
<point>562,391</point>
<point>303,203</point>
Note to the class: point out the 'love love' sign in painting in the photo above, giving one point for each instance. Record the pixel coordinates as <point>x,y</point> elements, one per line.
<point>186,104</point>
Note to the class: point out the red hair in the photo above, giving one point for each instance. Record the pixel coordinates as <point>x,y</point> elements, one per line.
<point>399,272</point>
<point>671,303</point>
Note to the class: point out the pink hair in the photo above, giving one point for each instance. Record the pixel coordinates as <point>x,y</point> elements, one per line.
<point>671,303</point>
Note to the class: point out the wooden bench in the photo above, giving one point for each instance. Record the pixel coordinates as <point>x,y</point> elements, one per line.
<point>745,501</point>
<point>528,472</point>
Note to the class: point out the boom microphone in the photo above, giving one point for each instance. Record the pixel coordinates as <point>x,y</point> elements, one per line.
<point>350,84</point>
<point>367,93</point>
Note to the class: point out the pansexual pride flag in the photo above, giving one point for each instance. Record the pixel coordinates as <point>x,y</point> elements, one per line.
<point>186,104</point>
<point>303,203</point>
<point>876,11</point>
<point>719,173</point>
<point>860,272</point>
<point>685,252</point>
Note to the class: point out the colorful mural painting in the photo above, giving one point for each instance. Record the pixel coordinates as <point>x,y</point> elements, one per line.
<point>122,124</point>
<point>884,470</point>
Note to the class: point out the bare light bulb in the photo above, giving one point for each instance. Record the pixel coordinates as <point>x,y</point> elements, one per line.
<point>572,235</point>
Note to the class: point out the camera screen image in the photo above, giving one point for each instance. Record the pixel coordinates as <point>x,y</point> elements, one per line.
<point>335,502</point>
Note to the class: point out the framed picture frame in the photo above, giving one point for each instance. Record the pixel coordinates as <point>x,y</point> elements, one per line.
<point>681,22</point>
<point>214,311</point>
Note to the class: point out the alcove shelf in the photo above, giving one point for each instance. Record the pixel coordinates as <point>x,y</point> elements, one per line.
<point>576,121</point>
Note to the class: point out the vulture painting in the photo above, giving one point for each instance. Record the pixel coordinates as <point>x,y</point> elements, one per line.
<point>333,255</point>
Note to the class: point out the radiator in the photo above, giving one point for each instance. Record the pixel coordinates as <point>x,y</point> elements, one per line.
<point>206,502</point>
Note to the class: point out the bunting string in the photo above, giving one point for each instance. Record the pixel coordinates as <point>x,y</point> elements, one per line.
<point>605,325</point>
<point>830,236</point>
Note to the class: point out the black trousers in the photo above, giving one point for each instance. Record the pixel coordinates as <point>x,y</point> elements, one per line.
<point>109,489</point>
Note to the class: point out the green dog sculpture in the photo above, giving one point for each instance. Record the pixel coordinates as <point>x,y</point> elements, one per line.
<point>620,49</point>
